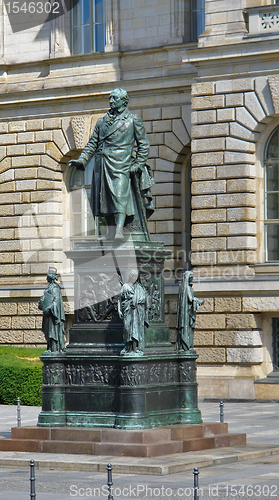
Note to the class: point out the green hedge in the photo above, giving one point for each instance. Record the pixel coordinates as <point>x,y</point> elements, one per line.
<point>20,375</point>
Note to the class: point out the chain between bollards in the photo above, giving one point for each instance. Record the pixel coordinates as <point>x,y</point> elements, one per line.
<point>196,483</point>
<point>109,483</point>
<point>221,404</point>
<point>32,480</point>
<point>18,413</point>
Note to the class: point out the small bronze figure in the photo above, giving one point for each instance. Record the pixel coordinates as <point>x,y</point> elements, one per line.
<point>121,182</point>
<point>87,304</point>
<point>133,309</point>
<point>187,307</point>
<point>51,303</point>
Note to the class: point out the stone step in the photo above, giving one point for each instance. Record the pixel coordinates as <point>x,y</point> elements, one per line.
<point>71,447</point>
<point>56,433</point>
<point>136,436</point>
<point>213,428</point>
<point>199,443</point>
<point>198,430</point>
<point>167,433</point>
<point>30,432</point>
<point>138,450</point>
<point>82,434</point>
<point>21,445</point>
<point>186,432</point>
<point>133,449</point>
<point>153,442</point>
<point>216,441</point>
<point>224,440</point>
<point>91,448</point>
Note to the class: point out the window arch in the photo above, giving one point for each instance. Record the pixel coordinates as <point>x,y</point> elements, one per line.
<point>82,221</point>
<point>88,26</point>
<point>271,216</point>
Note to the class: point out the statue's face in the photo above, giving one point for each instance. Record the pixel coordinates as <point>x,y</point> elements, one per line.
<point>115,100</point>
<point>133,276</point>
<point>50,278</point>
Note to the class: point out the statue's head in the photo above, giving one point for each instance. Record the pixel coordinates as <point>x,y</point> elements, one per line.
<point>189,276</point>
<point>118,99</point>
<point>52,274</point>
<point>133,276</point>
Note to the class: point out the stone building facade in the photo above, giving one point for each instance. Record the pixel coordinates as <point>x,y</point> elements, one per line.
<point>210,106</point>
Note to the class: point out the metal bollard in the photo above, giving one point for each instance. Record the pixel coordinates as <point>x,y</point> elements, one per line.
<point>109,483</point>
<point>32,480</point>
<point>196,483</point>
<point>18,413</point>
<point>221,404</point>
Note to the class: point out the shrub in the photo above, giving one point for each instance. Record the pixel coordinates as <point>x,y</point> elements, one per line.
<point>20,375</point>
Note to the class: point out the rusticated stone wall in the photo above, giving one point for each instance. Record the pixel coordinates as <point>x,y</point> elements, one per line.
<point>227,116</point>
<point>31,174</point>
<point>231,122</point>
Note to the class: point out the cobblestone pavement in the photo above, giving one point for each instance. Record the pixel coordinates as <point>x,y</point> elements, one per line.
<point>254,479</point>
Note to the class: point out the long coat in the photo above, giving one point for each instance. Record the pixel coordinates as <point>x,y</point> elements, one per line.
<point>51,303</point>
<point>112,143</point>
<point>187,308</point>
<point>134,306</point>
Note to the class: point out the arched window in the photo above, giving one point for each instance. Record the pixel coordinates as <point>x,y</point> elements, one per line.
<point>272,197</point>
<point>82,220</point>
<point>88,26</point>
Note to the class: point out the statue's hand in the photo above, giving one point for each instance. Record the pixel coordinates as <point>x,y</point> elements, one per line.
<point>134,168</point>
<point>77,164</point>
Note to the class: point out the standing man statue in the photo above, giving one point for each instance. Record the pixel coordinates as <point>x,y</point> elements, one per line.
<point>187,307</point>
<point>112,143</point>
<point>133,309</point>
<point>51,303</point>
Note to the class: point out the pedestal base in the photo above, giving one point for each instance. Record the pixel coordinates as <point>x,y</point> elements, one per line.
<point>92,384</point>
<point>126,392</point>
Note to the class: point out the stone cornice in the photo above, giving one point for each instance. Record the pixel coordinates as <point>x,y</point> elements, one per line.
<point>98,92</point>
<point>267,49</point>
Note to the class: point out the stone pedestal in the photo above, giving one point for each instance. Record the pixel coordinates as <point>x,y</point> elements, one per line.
<point>92,384</point>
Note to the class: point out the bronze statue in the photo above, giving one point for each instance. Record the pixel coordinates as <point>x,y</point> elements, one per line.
<point>120,183</point>
<point>51,303</point>
<point>187,307</point>
<point>87,303</point>
<point>133,309</point>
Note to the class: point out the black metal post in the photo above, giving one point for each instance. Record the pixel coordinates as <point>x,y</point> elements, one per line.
<point>32,480</point>
<point>221,404</point>
<point>18,413</point>
<point>109,483</point>
<point>196,483</point>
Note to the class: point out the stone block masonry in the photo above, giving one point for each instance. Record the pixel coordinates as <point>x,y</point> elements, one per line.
<point>32,177</point>
<point>21,321</point>
<point>227,117</point>
<point>228,329</point>
<point>233,336</point>
<point>168,134</point>
<point>229,332</point>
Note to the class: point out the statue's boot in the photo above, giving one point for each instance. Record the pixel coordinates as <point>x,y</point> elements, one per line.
<point>119,233</point>
<point>120,221</point>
